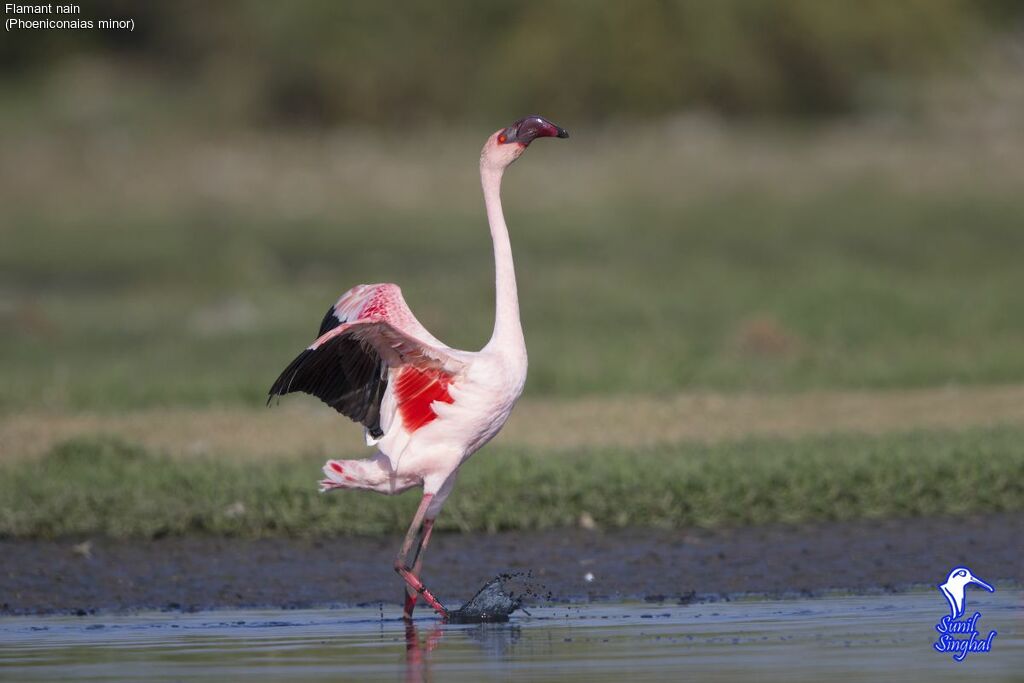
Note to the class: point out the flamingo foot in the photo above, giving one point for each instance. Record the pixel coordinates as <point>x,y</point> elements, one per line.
<point>417,585</point>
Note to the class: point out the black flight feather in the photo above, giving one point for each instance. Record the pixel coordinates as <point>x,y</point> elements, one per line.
<point>343,372</point>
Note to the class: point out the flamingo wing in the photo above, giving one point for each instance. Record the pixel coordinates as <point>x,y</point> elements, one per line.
<point>382,301</point>
<point>367,338</point>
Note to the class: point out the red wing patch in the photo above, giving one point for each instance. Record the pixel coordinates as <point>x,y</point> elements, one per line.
<point>416,390</point>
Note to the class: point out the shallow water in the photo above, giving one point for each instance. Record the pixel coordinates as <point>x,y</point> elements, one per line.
<point>885,637</point>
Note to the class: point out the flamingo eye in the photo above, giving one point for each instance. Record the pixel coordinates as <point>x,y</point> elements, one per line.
<point>502,139</point>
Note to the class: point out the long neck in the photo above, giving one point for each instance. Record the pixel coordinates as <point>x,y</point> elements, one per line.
<point>508,331</point>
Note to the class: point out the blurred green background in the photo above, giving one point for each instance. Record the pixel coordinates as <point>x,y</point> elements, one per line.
<point>757,195</point>
<point>807,201</point>
<point>325,63</point>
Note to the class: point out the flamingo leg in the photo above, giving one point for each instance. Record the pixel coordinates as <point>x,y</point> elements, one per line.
<point>415,541</point>
<point>410,595</point>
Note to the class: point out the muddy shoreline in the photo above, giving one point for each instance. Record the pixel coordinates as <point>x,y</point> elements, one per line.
<point>67,576</point>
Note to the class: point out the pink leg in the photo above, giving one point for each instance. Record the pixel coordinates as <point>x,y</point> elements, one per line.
<point>411,595</point>
<point>415,542</point>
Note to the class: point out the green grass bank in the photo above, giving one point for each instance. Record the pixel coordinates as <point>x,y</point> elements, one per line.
<point>96,487</point>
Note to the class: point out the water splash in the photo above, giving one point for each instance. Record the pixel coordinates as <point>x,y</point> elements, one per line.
<point>497,600</point>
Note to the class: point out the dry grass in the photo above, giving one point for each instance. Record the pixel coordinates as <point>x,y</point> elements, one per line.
<point>303,428</point>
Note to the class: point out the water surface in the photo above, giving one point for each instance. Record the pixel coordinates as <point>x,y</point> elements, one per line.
<point>885,637</point>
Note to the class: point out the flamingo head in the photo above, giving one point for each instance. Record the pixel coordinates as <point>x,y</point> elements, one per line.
<point>508,144</point>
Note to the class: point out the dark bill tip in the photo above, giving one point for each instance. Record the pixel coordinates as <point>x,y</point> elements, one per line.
<point>528,129</point>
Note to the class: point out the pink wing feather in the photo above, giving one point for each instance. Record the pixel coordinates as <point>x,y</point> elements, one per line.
<point>368,339</point>
<point>384,302</point>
